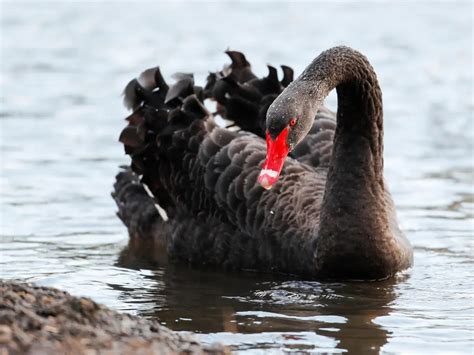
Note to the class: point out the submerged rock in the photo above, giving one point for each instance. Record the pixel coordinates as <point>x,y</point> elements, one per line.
<point>42,320</point>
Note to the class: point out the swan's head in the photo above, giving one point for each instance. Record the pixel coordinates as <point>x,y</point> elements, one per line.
<point>288,122</point>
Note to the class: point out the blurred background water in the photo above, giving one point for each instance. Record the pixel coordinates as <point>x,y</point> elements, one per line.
<point>63,67</point>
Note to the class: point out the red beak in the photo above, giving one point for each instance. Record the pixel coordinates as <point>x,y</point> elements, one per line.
<point>277,151</point>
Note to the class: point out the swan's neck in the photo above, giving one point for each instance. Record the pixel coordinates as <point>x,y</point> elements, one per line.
<point>359,113</point>
<point>353,214</point>
<point>358,141</point>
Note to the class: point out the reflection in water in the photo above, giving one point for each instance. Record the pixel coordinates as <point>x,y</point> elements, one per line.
<point>283,310</point>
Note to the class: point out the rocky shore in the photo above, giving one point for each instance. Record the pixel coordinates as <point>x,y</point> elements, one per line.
<point>41,320</point>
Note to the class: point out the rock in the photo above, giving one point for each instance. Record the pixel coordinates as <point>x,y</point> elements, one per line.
<point>5,334</point>
<point>41,320</point>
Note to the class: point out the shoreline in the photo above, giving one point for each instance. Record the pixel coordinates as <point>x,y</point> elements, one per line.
<point>43,320</point>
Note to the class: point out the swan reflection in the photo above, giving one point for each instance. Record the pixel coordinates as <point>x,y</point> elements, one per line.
<point>268,311</point>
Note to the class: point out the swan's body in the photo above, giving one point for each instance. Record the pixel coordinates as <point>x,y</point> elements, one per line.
<point>328,215</point>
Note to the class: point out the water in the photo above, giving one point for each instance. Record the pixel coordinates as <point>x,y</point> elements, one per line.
<point>63,66</point>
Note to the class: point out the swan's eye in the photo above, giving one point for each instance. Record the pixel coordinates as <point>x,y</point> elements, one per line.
<point>292,122</point>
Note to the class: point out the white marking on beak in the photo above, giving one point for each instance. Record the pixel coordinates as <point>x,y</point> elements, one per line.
<point>269,172</point>
<point>265,183</point>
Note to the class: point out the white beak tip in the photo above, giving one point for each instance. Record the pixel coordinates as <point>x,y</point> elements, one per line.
<point>266,181</point>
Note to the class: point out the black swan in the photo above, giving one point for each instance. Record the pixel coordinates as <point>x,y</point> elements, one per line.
<point>328,214</point>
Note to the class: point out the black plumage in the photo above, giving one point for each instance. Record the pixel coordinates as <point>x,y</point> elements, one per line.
<point>321,219</point>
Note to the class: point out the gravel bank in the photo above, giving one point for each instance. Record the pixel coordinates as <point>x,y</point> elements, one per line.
<point>42,320</point>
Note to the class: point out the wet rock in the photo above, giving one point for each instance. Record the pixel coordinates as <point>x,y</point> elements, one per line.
<point>41,320</point>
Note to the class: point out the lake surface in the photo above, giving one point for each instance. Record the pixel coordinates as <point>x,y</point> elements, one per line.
<point>63,67</point>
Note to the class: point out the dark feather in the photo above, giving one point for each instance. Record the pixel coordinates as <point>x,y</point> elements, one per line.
<point>195,107</point>
<point>130,99</point>
<point>238,60</point>
<point>130,137</point>
<point>181,89</point>
<point>147,78</point>
<point>287,75</point>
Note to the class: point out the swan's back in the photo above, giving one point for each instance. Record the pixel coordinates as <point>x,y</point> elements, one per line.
<point>206,176</point>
